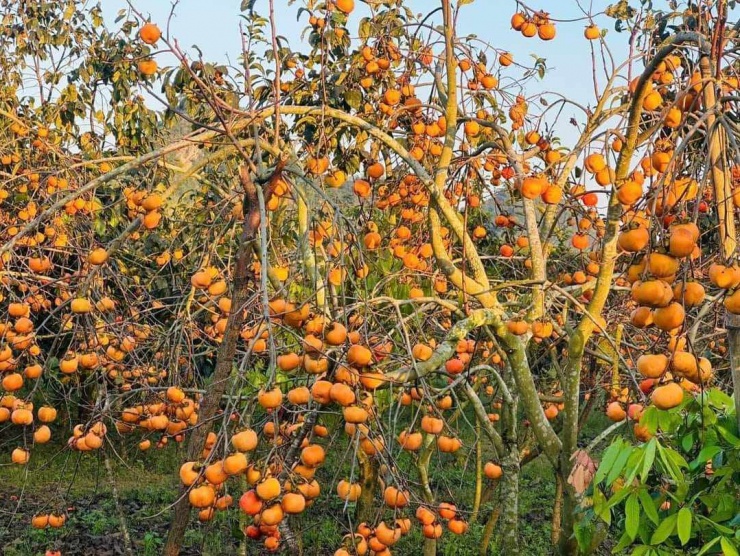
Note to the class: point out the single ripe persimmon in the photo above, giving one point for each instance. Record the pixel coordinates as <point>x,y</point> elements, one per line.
<point>97,256</point>
<point>492,471</point>
<point>345,6</point>
<point>149,33</point>
<point>270,399</point>
<point>147,67</point>
<point>592,32</point>
<point>395,498</point>
<point>667,396</point>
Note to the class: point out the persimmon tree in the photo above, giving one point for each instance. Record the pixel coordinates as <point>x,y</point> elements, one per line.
<point>374,246</point>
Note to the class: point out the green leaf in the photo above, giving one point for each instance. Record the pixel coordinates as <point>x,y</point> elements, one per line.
<point>673,471</point>
<point>463,2</point>
<point>707,453</point>
<point>583,531</point>
<point>708,546</point>
<point>632,516</point>
<point>99,226</point>
<point>719,399</point>
<point>676,458</point>
<point>616,469</point>
<point>728,436</point>
<point>601,508</point>
<point>719,528</point>
<point>608,460</point>
<point>664,530</point>
<point>647,462</point>
<point>353,99</point>
<point>634,464</point>
<point>618,497</point>
<point>727,547</point>
<point>683,524</point>
<point>648,504</point>
<point>649,419</point>
<point>668,421</point>
<point>365,28</point>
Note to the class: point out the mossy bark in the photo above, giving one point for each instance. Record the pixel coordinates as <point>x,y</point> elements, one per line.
<point>366,504</point>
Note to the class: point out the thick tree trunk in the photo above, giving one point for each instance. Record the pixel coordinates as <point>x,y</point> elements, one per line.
<point>509,520</point>
<point>224,361</point>
<point>720,173</point>
<point>557,511</point>
<point>569,436</point>
<point>366,505</point>
<point>510,463</point>
<point>568,544</point>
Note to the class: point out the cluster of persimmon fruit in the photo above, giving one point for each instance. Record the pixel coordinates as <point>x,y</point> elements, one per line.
<point>379,539</point>
<point>166,416</point>
<point>539,24</point>
<point>536,24</point>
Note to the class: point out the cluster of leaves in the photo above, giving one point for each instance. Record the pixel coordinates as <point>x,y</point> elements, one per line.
<point>677,493</point>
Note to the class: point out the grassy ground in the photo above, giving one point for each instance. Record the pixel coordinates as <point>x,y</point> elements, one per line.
<point>147,485</point>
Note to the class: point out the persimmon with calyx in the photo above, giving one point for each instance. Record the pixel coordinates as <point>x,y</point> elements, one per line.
<point>250,503</point>
<point>270,399</point>
<point>533,186</point>
<point>546,31</point>
<point>272,515</point>
<point>634,240</point>
<point>592,32</point>
<point>313,455</point>
<point>410,441</point>
<point>652,365</point>
<point>669,317</point>
<point>359,356</point>
<point>268,489</point>
<point>245,441</point>
<point>293,503</point>
<point>149,33</point>
<point>690,294</point>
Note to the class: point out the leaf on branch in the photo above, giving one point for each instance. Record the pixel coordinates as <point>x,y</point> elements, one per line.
<point>353,99</point>
<point>247,5</point>
<point>621,10</point>
<point>684,525</point>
